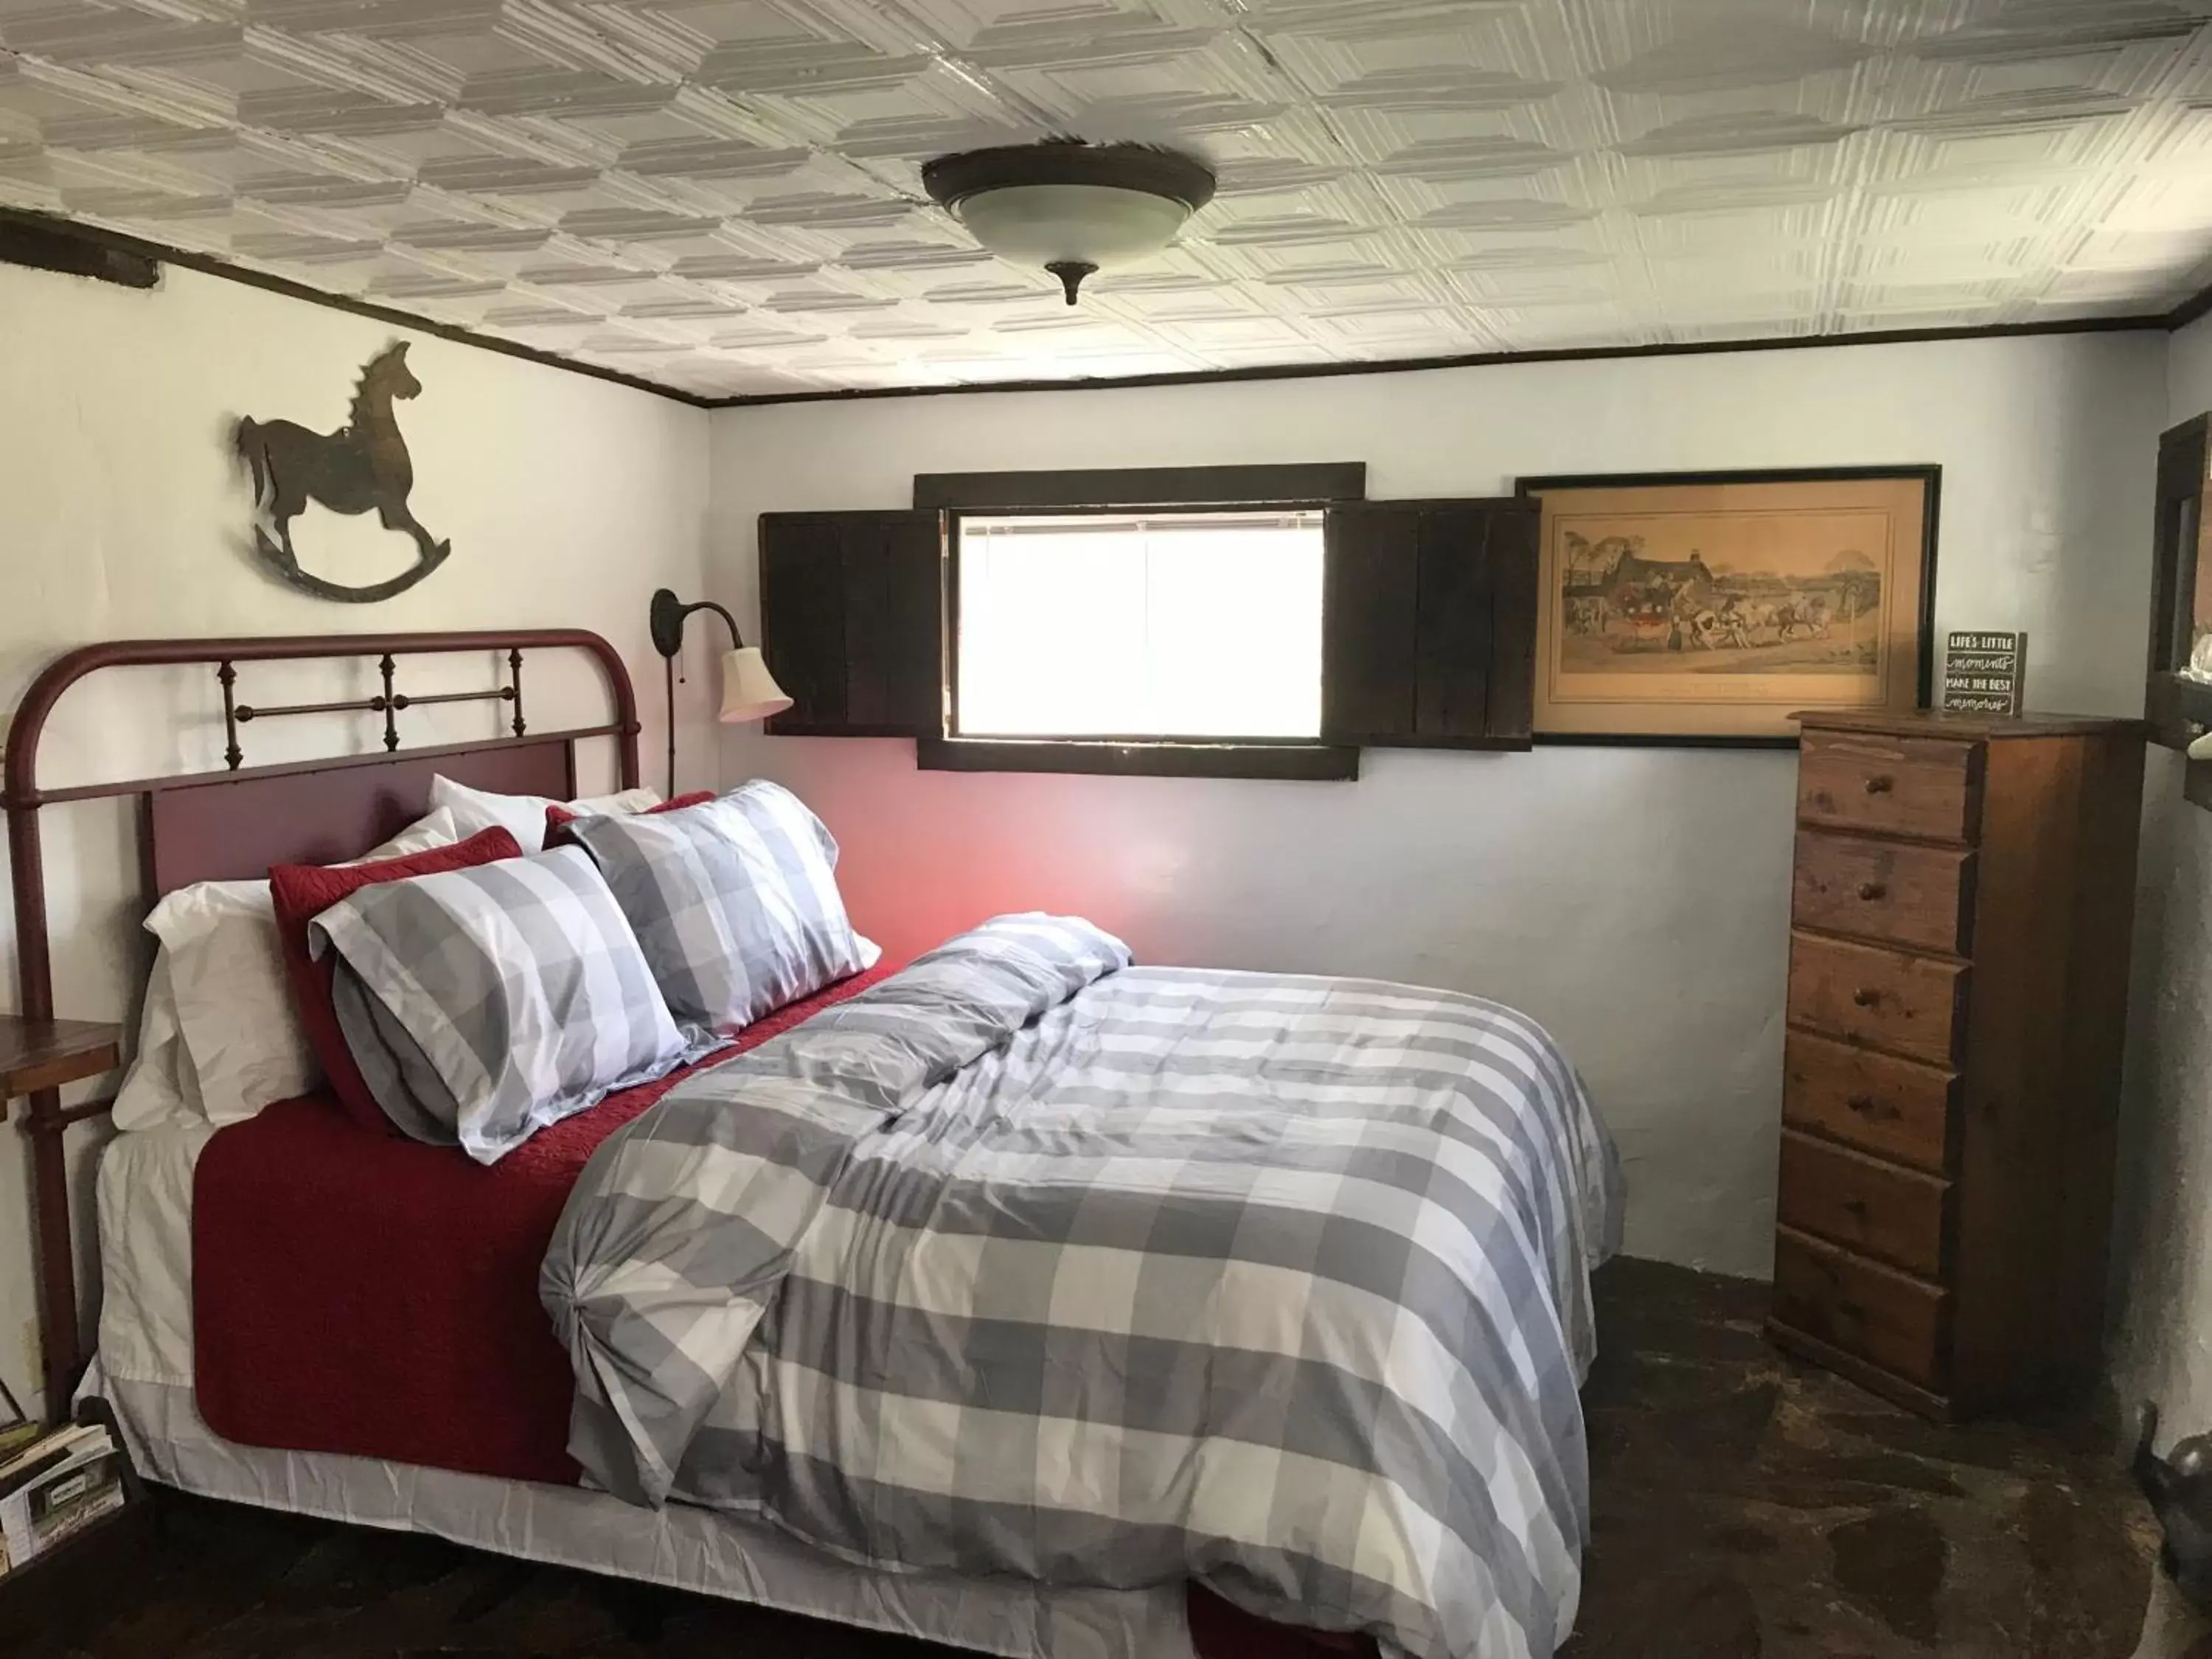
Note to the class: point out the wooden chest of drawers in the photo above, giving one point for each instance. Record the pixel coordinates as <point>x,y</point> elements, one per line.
<point>1959,921</point>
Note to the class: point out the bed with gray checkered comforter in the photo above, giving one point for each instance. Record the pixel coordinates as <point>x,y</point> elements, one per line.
<point>1028,1261</point>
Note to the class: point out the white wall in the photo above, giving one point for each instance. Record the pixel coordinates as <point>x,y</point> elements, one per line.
<point>2163,1246</point>
<point>1636,901</point>
<point>122,514</point>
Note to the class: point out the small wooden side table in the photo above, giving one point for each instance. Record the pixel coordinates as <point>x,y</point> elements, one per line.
<point>37,1058</point>
<point>45,1053</point>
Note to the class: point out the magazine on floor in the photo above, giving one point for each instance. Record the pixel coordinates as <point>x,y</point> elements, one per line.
<point>56,1487</point>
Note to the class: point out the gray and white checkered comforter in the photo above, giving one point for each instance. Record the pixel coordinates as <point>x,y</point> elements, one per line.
<point>1026,1262</point>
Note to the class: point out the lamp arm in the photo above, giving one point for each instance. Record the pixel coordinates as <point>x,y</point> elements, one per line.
<point>737,640</point>
<point>668,618</point>
<point>668,615</point>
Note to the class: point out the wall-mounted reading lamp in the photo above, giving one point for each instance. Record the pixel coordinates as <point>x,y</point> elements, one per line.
<point>749,690</point>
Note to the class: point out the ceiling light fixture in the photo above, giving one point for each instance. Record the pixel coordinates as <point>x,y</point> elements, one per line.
<point>1072,207</point>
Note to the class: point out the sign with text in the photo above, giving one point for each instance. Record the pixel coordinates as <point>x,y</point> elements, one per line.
<point>1985,673</point>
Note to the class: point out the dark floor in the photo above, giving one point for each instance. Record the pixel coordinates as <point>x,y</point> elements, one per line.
<point>1746,1506</point>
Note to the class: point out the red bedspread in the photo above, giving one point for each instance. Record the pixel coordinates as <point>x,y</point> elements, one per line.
<point>356,1292</point>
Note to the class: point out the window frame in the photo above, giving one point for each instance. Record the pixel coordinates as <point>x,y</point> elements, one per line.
<point>1119,493</point>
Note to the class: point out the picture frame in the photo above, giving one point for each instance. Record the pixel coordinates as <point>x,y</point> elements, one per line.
<point>1705,608</point>
<point>2178,693</point>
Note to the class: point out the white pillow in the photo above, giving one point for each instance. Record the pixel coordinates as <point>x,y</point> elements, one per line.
<point>234,1008</point>
<point>435,827</point>
<point>160,1087</point>
<point>219,1006</point>
<point>523,816</point>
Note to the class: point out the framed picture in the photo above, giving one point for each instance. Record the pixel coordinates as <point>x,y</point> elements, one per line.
<point>1708,607</point>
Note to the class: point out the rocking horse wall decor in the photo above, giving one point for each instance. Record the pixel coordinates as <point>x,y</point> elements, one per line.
<point>363,465</point>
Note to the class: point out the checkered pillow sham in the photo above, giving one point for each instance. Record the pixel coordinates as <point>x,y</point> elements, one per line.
<point>483,1004</point>
<point>735,903</point>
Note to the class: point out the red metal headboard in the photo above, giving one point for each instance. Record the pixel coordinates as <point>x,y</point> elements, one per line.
<point>235,823</point>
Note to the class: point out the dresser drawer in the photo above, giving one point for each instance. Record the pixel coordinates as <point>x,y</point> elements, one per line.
<point>1918,896</point>
<point>1878,1209</point>
<point>1926,787</point>
<point>1886,1317</point>
<point>1898,1109</point>
<point>1905,1005</point>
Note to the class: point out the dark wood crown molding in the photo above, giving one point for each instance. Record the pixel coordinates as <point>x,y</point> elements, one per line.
<point>2130,325</point>
<point>2194,308</point>
<point>21,227</point>
<point>61,246</point>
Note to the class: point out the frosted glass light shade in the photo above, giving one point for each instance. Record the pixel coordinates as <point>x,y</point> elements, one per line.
<point>1080,224</point>
<point>1069,206</point>
<point>749,690</point>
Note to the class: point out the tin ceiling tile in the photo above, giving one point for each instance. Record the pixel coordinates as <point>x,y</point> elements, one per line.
<point>725,196</point>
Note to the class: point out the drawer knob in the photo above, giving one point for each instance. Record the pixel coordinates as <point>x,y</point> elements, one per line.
<point>1871,891</point>
<point>1866,996</point>
<point>1862,1104</point>
<point>1881,784</point>
<point>1856,1206</point>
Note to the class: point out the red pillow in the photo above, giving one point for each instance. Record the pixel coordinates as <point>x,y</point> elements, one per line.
<point>304,891</point>
<point>556,815</point>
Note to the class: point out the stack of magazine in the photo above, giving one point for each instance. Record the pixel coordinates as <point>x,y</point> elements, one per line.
<point>58,1485</point>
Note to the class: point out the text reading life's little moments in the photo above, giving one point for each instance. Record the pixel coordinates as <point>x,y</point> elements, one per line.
<point>1985,673</point>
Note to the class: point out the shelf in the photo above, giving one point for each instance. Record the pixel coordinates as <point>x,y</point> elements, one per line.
<point>75,1575</point>
<point>45,1053</point>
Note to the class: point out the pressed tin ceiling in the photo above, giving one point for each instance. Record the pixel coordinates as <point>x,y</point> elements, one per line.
<point>724,197</point>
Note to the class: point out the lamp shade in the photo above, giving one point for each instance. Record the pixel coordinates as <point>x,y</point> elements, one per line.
<point>1070,207</point>
<point>749,690</point>
<point>1089,224</point>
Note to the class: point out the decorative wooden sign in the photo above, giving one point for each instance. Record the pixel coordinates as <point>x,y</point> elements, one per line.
<point>1985,673</point>
<point>363,465</point>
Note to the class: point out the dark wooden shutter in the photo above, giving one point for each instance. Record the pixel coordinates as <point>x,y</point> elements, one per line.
<point>852,621</point>
<point>1429,623</point>
<point>2178,547</point>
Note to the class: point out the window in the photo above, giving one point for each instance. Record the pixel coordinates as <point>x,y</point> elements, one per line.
<point>1262,622</point>
<point>1186,626</point>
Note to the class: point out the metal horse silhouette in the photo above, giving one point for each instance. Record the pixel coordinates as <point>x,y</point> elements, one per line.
<point>363,465</point>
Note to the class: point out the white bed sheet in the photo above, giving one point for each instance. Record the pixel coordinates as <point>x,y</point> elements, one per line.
<point>145,1370</point>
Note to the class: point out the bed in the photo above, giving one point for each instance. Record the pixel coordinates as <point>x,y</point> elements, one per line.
<point>249,1355</point>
